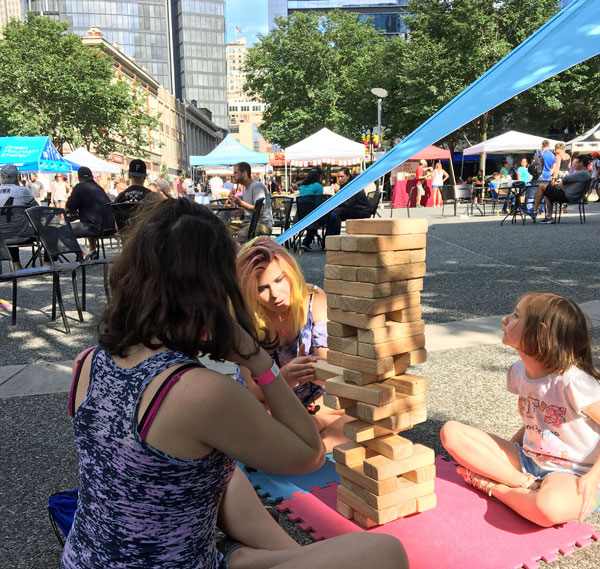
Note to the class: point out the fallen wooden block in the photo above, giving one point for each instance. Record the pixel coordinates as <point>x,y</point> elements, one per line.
<point>401,404</point>
<point>324,370</point>
<point>333,242</point>
<point>379,306</point>
<point>344,510</point>
<point>376,243</point>
<point>351,454</point>
<point>425,503</point>
<point>360,431</point>
<point>337,403</point>
<point>407,491</point>
<point>382,516</point>
<point>409,270</point>
<point>393,348</point>
<point>408,384</point>
<point>406,315</point>
<point>356,474</point>
<point>375,394</point>
<point>355,319</point>
<point>340,330</point>
<point>391,446</point>
<point>391,331</point>
<point>385,226</point>
<point>381,468</point>
<point>421,475</point>
<point>371,290</point>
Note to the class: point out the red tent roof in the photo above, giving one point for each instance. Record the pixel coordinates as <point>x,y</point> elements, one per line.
<point>432,153</point>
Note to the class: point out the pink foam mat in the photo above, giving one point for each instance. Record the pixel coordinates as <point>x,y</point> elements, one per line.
<point>466,530</point>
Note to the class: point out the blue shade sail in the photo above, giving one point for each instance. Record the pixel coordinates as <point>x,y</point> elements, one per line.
<point>574,36</point>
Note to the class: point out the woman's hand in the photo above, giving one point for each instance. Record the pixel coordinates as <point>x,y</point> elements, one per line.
<point>587,485</point>
<point>300,370</point>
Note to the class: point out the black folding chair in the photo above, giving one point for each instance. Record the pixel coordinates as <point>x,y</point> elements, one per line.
<point>394,206</point>
<point>304,206</point>
<point>282,211</point>
<point>122,213</point>
<point>57,237</point>
<point>557,206</point>
<point>374,199</point>
<point>258,206</point>
<point>13,215</point>
<point>54,270</point>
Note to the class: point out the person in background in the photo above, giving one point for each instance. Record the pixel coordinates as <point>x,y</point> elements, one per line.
<point>494,184</point>
<point>595,157</point>
<point>478,185</point>
<point>36,187</point>
<point>563,163</point>
<point>504,171</point>
<point>548,160</point>
<point>216,187</point>
<point>311,186</point>
<point>439,178</point>
<point>59,191</point>
<point>355,207</point>
<point>178,186</point>
<point>136,192</point>
<point>164,188</point>
<point>421,174</point>
<point>228,185</point>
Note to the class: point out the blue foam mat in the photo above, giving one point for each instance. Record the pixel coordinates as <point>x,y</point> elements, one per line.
<point>276,487</point>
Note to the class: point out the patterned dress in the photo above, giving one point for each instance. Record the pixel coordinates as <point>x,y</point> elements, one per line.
<point>138,506</point>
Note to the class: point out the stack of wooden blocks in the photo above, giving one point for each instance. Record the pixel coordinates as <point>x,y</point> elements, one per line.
<point>373,279</point>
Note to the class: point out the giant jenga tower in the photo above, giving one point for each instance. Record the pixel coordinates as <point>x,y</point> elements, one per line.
<point>375,331</point>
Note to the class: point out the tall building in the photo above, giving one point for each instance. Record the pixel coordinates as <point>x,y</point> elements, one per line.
<point>180,43</point>
<point>387,15</point>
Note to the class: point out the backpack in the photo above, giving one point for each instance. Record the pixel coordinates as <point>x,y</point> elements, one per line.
<point>537,165</point>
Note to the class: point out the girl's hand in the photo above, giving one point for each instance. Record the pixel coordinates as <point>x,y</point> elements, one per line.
<point>299,369</point>
<point>259,363</point>
<point>588,485</point>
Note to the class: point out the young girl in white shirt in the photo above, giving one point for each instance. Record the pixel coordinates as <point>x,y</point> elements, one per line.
<point>549,472</point>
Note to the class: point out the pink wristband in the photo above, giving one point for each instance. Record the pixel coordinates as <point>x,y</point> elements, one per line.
<point>267,377</point>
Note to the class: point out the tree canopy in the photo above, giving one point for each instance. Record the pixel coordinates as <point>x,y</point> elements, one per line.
<point>316,70</point>
<point>52,84</point>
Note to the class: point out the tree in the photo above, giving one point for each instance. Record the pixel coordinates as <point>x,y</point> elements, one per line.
<point>52,84</point>
<point>316,70</point>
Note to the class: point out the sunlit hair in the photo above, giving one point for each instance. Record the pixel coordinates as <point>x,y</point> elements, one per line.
<point>252,260</point>
<point>175,284</point>
<point>559,146</point>
<point>565,339</point>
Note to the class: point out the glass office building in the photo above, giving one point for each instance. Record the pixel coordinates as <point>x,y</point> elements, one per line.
<point>387,15</point>
<point>181,43</point>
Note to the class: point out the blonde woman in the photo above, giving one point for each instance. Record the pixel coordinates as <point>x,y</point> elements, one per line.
<point>439,178</point>
<point>291,318</point>
<point>563,162</point>
<point>59,191</point>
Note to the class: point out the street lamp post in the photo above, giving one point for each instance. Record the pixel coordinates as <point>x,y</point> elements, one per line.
<point>380,94</point>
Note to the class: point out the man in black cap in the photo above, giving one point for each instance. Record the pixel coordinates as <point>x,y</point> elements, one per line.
<point>15,227</point>
<point>88,203</point>
<point>136,192</point>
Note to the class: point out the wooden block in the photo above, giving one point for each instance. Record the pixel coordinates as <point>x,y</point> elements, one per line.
<point>421,475</point>
<point>375,394</point>
<point>360,431</point>
<point>406,315</point>
<point>341,330</point>
<point>351,454</point>
<point>355,319</point>
<point>356,475</point>
<point>385,226</point>
<point>406,491</point>
<point>364,521</point>
<point>335,358</point>
<point>407,508</point>
<point>382,516</point>
<point>369,274</point>
<point>332,272</point>
<point>352,486</point>
<point>379,306</point>
<point>418,416</point>
<point>333,242</point>
<point>354,259</point>
<point>348,345</point>
<point>360,378</point>
<point>333,300</point>
<point>324,370</point>
<point>393,348</point>
<point>401,404</point>
<point>391,446</point>
<point>337,403</point>
<point>371,290</point>
<point>386,367</point>
<point>413,358</point>
<point>377,243</point>
<point>396,423</point>
<point>416,256</point>
<point>425,503</point>
<point>408,384</point>
<point>345,510</point>
<point>341,272</point>
<point>380,467</point>
<point>391,331</point>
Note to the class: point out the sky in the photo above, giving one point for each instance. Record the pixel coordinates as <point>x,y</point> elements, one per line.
<point>249,15</point>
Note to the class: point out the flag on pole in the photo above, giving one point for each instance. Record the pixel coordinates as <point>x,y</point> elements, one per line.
<point>238,30</point>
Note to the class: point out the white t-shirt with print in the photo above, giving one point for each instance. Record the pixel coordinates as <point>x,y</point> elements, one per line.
<point>558,434</point>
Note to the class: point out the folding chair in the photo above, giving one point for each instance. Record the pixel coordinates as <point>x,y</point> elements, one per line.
<point>304,206</point>
<point>406,205</point>
<point>282,211</point>
<point>374,199</point>
<point>57,237</point>
<point>258,205</point>
<point>122,213</point>
<point>557,206</point>
<point>14,215</point>
<point>54,270</point>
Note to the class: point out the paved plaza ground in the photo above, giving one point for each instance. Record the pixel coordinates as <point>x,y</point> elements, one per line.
<point>475,272</point>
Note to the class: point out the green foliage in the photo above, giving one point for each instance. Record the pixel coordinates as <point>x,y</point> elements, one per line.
<point>51,84</point>
<point>316,70</point>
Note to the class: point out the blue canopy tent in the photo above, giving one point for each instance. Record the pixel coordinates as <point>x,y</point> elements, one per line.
<point>32,154</point>
<point>530,63</point>
<point>228,153</point>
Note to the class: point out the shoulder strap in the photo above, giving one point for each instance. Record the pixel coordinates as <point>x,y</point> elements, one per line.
<point>161,393</point>
<point>75,381</point>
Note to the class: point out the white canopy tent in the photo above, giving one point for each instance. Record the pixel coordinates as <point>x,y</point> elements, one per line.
<point>587,142</point>
<point>509,142</point>
<point>81,157</point>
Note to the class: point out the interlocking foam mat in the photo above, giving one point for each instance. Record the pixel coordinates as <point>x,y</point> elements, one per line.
<point>466,530</point>
<point>276,487</point>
